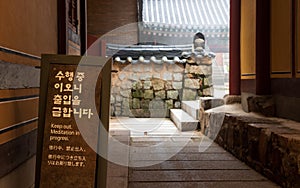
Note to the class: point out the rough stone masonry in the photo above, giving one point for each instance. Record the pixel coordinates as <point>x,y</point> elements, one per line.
<point>150,89</point>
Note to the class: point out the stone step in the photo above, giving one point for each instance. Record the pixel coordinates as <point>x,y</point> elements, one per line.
<point>211,102</point>
<point>182,120</point>
<point>192,108</point>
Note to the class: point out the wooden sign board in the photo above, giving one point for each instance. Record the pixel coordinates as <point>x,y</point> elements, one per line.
<point>68,136</point>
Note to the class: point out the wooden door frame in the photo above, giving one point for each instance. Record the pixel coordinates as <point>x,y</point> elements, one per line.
<point>62,26</point>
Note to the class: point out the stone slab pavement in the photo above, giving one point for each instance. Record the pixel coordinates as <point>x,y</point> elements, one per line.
<point>167,161</point>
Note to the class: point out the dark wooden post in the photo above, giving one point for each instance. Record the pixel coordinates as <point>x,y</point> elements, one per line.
<point>235,54</point>
<point>263,80</point>
<point>83,28</point>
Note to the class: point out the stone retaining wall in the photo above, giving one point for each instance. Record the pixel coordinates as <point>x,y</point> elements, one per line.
<point>270,147</point>
<point>151,89</point>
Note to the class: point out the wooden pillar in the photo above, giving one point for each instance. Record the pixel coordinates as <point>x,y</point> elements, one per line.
<point>294,36</point>
<point>83,28</point>
<point>61,27</point>
<point>263,80</point>
<point>235,54</point>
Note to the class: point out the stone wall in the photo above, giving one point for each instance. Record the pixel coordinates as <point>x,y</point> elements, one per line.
<point>270,146</point>
<point>150,89</point>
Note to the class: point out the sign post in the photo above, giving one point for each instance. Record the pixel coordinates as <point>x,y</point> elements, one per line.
<point>73,113</point>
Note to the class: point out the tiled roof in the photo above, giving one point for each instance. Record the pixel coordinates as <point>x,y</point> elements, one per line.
<point>158,55</point>
<point>147,51</point>
<point>185,16</point>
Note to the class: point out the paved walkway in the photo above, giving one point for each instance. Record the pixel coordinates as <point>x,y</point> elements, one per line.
<point>181,160</point>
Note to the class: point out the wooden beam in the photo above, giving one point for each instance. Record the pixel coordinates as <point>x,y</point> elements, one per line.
<point>15,93</point>
<point>18,111</point>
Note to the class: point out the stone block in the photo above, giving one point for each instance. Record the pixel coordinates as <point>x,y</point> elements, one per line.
<point>125,103</point>
<point>177,85</point>
<point>178,76</point>
<point>294,142</point>
<point>137,85</point>
<point>205,60</point>
<point>116,83</point>
<point>147,84</point>
<point>189,94</point>
<point>136,103</point>
<point>117,112</point>
<point>168,85</point>
<point>148,68</point>
<point>206,70</point>
<point>192,108</point>
<point>175,68</point>
<point>122,76</point>
<point>158,84</point>
<point>133,76</point>
<point>263,144</point>
<point>115,90</point>
<point>208,91</point>
<point>148,94</point>
<point>244,100</point>
<point>169,104</point>
<point>160,94</point>
<point>183,121</point>
<point>126,84</point>
<point>130,103</point>
<point>140,113</point>
<point>156,104</point>
<point>167,76</point>
<point>210,102</point>
<point>126,112</point>
<point>192,83</point>
<point>187,68</point>
<point>172,94</point>
<point>191,76</point>
<point>145,104</point>
<point>177,104</point>
<point>158,67</point>
<point>119,98</point>
<point>137,94</point>
<point>207,81</point>
<point>200,94</point>
<point>125,93</point>
<point>156,76</point>
<point>191,60</point>
<point>232,99</point>
<point>112,99</point>
<point>145,76</point>
<point>159,113</point>
<point>195,69</point>
<point>257,103</point>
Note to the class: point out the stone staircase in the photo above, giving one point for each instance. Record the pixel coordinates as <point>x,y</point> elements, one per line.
<point>188,117</point>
